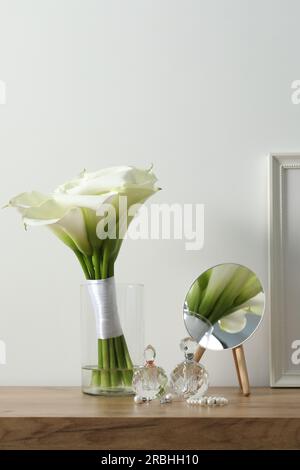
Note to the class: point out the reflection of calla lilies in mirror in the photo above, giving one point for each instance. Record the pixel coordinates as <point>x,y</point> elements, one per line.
<point>226,294</point>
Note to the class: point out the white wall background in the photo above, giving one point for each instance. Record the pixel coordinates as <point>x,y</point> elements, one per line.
<point>201,88</point>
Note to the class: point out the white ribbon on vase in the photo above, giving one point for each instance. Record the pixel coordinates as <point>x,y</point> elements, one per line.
<point>104,301</point>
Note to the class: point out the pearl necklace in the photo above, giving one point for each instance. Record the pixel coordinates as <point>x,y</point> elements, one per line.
<point>207,401</point>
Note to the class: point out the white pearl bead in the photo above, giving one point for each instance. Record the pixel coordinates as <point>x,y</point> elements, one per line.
<point>138,399</point>
<point>169,397</point>
<point>210,401</point>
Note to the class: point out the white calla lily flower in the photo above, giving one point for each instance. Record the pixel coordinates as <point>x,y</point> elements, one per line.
<point>109,179</point>
<point>256,304</point>
<point>233,323</point>
<point>72,210</point>
<point>236,321</point>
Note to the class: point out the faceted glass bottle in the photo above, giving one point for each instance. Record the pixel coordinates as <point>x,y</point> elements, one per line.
<point>189,377</point>
<point>149,381</point>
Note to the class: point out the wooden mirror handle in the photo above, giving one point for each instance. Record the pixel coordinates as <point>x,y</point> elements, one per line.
<point>199,353</point>
<point>241,369</point>
<point>240,365</point>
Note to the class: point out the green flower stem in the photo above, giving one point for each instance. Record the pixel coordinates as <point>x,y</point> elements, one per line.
<point>90,266</point>
<point>105,375</point>
<point>129,365</point>
<point>121,360</point>
<point>105,260</point>
<point>100,362</point>
<point>81,260</point>
<point>111,269</point>
<point>96,264</point>
<point>96,378</point>
<point>119,352</point>
<point>114,374</point>
<point>100,355</point>
<point>128,360</point>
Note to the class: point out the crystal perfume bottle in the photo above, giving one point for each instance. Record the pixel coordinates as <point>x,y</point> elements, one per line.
<point>189,377</point>
<point>149,381</point>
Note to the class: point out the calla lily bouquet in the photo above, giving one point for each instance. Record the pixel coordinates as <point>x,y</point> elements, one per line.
<point>226,294</point>
<point>86,215</point>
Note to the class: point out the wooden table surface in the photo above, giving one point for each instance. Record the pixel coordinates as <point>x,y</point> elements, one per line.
<point>64,418</point>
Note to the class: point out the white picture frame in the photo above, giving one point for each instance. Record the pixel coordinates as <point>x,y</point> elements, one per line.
<point>284,269</point>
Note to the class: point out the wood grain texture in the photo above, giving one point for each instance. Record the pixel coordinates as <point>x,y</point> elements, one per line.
<point>63,418</point>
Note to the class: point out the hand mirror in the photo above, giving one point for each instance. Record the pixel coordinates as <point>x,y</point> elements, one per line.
<point>223,308</point>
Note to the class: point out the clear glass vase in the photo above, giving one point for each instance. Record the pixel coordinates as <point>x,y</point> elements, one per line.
<point>112,336</point>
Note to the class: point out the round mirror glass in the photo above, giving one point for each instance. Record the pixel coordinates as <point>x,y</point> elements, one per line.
<point>224,306</point>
